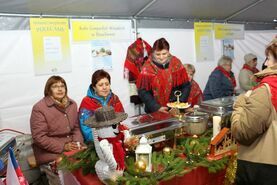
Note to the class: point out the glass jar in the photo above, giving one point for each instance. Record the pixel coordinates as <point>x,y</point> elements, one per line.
<point>197,123</point>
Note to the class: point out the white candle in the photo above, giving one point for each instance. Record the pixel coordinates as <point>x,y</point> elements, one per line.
<point>216,125</point>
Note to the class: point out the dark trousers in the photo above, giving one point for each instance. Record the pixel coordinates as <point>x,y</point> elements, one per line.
<point>249,173</point>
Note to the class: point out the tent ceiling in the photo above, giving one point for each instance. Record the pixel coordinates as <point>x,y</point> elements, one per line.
<point>263,11</point>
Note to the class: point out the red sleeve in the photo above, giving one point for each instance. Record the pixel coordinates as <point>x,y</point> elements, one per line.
<point>89,104</point>
<point>118,107</point>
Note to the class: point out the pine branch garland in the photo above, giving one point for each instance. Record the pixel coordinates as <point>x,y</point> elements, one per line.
<point>84,159</point>
<point>164,166</point>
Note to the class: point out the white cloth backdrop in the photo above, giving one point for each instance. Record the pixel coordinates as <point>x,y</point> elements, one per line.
<point>20,88</point>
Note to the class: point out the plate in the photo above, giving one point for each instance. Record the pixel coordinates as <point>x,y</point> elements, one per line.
<point>178,105</point>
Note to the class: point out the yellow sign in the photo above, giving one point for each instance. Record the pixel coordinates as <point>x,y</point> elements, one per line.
<point>50,38</point>
<point>229,31</point>
<point>203,34</point>
<point>87,30</point>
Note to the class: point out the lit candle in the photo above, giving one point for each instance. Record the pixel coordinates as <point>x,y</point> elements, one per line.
<point>216,125</point>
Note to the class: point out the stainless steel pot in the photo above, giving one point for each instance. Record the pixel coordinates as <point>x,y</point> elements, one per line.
<point>197,123</point>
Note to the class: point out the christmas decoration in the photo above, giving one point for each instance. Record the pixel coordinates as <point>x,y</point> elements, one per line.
<point>167,150</point>
<point>231,171</point>
<point>108,142</point>
<point>216,125</point>
<point>144,152</point>
<point>190,153</point>
<point>140,166</point>
<point>222,145</point>
<point>84,159</point>
<point>131,143</point>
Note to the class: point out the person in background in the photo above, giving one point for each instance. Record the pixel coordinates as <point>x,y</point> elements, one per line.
<point>161,75</point>
<point>254,126</point>
<point>247,80</point>
<point>195,95</point>
<point>54,127</point>
<point>221,81</point>
<point>99,94</point>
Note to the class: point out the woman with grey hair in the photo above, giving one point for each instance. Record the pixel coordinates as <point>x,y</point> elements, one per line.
<point>247,80</point>
<point>221,81</point>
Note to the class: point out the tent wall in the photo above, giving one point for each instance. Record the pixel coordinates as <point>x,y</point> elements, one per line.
<point>21,89</point>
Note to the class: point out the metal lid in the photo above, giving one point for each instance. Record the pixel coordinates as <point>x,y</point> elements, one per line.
<point>196,117</point>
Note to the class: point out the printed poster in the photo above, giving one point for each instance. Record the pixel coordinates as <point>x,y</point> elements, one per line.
<point>228,48</point>
<point>87,30</point>
<point>204,47</point>
<point>101,54</point>
<point>51,51</point>
<point>229,31</point>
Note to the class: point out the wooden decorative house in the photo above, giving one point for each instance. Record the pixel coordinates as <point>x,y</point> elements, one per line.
<point>223,144</point>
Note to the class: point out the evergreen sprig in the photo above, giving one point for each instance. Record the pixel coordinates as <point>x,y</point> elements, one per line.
<point>84,159</point>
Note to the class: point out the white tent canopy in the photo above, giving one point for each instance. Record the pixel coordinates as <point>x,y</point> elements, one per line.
<point>259,12</point>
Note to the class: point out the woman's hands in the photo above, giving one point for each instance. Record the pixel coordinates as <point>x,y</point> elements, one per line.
<point>163,109</point>
<point>73,146</point>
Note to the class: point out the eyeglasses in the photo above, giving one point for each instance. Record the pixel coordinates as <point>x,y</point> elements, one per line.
<point>58,86</point>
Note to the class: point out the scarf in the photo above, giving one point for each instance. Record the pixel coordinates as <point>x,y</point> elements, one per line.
<point>272,82</point>
<point>195,95</point>
<point>137,54</point>
<point>161,81</point>
<point>103,100</point>
<point>227,74</point>
<point>253,70</point>
<point>61,104</point>
<point>118,150</point>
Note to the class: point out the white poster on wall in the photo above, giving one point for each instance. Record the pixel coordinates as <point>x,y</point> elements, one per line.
<point>101,54</point>
<point>228,48</point>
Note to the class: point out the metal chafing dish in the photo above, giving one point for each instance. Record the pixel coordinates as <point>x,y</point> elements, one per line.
<point>220,107</point>
<point>155,131</point>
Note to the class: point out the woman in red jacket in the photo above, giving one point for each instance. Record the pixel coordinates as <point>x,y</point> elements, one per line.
<point>99,94</point>
<point>161,76</point>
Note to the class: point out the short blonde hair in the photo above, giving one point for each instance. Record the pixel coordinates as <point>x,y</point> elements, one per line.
<point>190,67</point>
<point>224,60</point>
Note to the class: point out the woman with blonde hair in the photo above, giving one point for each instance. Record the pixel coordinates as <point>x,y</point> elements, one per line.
<point>195,95</point>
